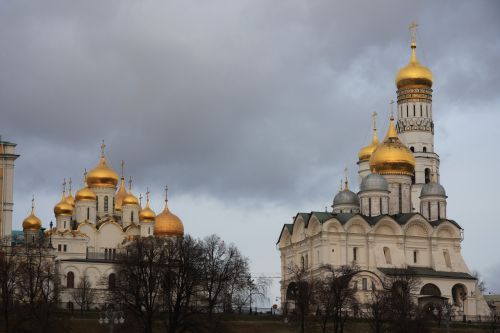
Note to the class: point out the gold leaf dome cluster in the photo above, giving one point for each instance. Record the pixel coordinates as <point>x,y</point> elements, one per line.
<point>32,222</point>
<point>147,214</point>
<point>392,157</point>
<point>130,198</point>
<point>168,224</point>
<point>85,194</point>
<point>102,175</point>
<point>414,75</point>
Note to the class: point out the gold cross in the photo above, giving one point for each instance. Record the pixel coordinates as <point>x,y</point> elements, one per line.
<point>413,29</point>
<point>140,199</point>
<point>392,106</point>
<point>64,186</point>
<point>130,183</point>
<point>123,164</point>
<point>102,148</point>
<point>147,194</point>
<point>70,182</point>
<point>166,193</point>
<point>33,203</point>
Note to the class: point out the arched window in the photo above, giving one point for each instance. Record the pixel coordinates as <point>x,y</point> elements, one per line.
<point>447,258</point>
<point>112,281</point>
<point>415,256</point>
<point>387,255</point>
<point>412,149</point>
<point>424,149</point>
<point>430,289</point>
<point>131,216</point>
<point>354,253</point>
<point>106,203</point>
<point>364,283</point>
<point>427,175</point>
<point>88,213</point>
<point>70,280</point>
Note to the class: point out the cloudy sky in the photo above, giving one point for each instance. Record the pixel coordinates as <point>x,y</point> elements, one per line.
<point>248,109</point>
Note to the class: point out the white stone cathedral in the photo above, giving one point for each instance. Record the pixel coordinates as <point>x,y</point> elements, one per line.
<point>93,227</point>
<point>398,219</point>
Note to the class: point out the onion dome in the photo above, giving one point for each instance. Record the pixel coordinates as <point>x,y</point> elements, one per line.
<point>102,175</point>
<point>433,189</point>
<point>147,214</point>
<point>374,182</point>
<point>366,152</point>
<point>168,224</point>
<point>345,197</point>
<point>414,75</point>
<point>122,192</point>
<point>63,207</point>
<point>85,194</point>
<point>129,198</point>
<point>69,198</point>
<point>392,157</point>
<point>32,222</point>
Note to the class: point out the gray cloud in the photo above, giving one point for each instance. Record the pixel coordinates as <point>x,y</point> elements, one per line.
<point>241,101</point>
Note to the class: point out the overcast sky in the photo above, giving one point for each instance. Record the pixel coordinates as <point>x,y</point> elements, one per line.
<point>249,110</point>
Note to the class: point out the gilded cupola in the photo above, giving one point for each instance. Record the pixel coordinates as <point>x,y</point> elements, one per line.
<point>167,223</point>
<point>366,152</point>
<point>32,222</point>
<point>63,207</point>
<point>414,75</point>
<point>122,192</point>
<point>85,194</point>
<point>102,175</point>
<point>147,214</point>
<point>392,157</point>
<point>130,198</point>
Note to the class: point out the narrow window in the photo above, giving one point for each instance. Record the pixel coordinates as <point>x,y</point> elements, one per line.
<point>387,255</point>
<point>112,281</point>
<point>132,216</point>
<point>70,280</point>
<point>415,256</point>
<point>307,261</point>
<point>88,213</point>
<point>113,204</point>
<point>355,285</point>
<point>97,203</point>
<point>425,149</point>
<point>413,110</point>
<point>64,224</point>
<point>365,283</point>
<point>429,210</point>
<point>447,258</point>
<point>303,262</point>
<point>427,175</point>
<point>106,203</point>
<point>59,247</point>
<point>65,247</point>
<point>380,201</point>
<point>400,198</point>
<point>369,206</point>
<point>420,110</point>
<point>406,110</point>
<point>412,149</point>
<point>427,111</point>
<point>355,253</point>
<point>439,210</point>
<point>149,230</point>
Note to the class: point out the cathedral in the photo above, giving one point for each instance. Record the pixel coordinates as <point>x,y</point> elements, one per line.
<point>95,225</point>
<point>398,219</point>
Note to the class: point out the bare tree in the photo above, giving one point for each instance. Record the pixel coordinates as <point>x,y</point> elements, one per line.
<point>248,290</point>
<point>181,279</point>
<point>481,285</point>
<point>221,265</point>
<point>301,293</point>
<point>9,263</point>
<point>378,310</point>
<point>335,296</point>
<point>139,279</point>
<point>84,294</point>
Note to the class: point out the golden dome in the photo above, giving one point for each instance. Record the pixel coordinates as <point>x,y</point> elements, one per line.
<point>85,194</point>
<point>168,224</point>
<point>147,214</point>
<point>63,207</point>
<point>32,222</point>
<point>129,198</point>
<point>102,175</point>
<point>392,157</point>
<point>366,152</point>
<point>120,195</point>
<point>414,75</point>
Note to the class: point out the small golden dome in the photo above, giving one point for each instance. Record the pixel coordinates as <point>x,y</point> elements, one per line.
<point>63,207</point>
<point>147,214</point>
<point>102,175</point>
<point>392,157</point>
<point>366,152</point>
<point>120,195</point>
<point>85,193</point>
<point>129,198</point>
<point>414,75</point>
<point>32,222</point>
<point>168,224</point>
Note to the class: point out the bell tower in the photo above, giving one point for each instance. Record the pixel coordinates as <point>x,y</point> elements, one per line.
<point>7,158</point>
<point>415,126</point>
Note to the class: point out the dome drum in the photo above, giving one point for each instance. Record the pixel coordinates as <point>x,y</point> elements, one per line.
<point>374,182</point>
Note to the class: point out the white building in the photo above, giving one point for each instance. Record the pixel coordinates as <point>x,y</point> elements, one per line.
<point>398,219</point>
<point>95,225</point>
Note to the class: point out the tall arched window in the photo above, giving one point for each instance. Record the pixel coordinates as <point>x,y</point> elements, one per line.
<point>355,253</point>
<point>387,255</point>
<point>413,110</point>
<point>132,216</point>
<point>70,280</point>
<point>88,213</point>
<point>425,149</point>
<point>427,175</point>
<point>112,281</point>
<point>415,256</point>
<point>106,203</point>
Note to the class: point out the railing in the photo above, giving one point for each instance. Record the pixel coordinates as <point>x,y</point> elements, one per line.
<point>110,256</point>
